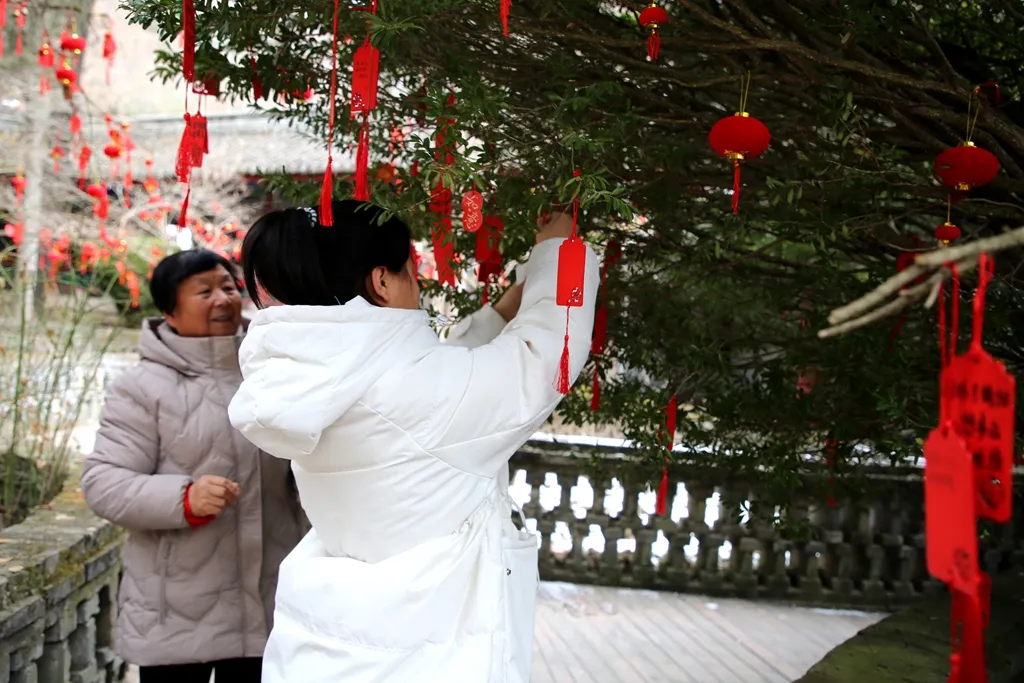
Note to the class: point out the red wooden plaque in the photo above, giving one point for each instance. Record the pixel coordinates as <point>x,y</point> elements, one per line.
<point>572,267</point>
<point>979,395</point>
<point>365,70</point>
<point>951,535</point>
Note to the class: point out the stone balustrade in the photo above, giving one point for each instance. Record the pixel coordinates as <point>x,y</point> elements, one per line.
<point>58,593</point>
<point>861,553</point>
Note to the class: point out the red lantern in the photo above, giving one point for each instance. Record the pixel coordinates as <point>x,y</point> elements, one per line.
<point>652,18</point>
<point>947,232</point>
<point>19,183</point>
<point>112,152</point>
<point>65,74</point>
<point>72,42</point>
<point>966,167</point>
<point>45,61</point>
<point>738,138</point>
<point>96,191</point>
<point>56,154</point>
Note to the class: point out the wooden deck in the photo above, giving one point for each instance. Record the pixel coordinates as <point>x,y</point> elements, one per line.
<point>587,634</point>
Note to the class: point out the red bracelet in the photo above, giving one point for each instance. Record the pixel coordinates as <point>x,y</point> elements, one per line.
<point>193,521</point>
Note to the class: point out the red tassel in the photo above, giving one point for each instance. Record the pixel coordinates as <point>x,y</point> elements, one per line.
<point>327,195</point>
<point>736,187</point>
<point>327,188</point>
<point>661,505</point>
<point>183,214</point>
<point>595,396</point>
<point>188,57</point>
<point>562,383</point>
<point>183,164</point>
<point>362,191</point>
<point>506,7</point>
<point>653,46</point>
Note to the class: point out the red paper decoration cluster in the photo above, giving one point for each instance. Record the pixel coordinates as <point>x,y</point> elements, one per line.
<point>968,475</point>
<point>652,18</point>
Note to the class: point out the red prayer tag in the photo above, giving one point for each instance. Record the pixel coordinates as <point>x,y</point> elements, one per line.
<point>979,396</point>
<point>572,265</point>
<point>951,533</point>
<point>472,211</point>
<point>365,71</point>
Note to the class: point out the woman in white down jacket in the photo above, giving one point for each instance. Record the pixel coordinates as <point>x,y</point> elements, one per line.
<point>414,570</point>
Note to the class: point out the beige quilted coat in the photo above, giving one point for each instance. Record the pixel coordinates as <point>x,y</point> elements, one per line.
<point>188,595</point>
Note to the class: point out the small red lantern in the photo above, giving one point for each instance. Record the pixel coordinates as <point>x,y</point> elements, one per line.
<point>66,75</point>
<point>947,232</point>
<point>72,42</point>
<point>96,191</point>
<point>112,152</point>
<point>56,154</point>
<point>109,50</point>
<point>738,138</point>
<point>19,184</point>
<point>652,18</point>
<point>966,167</point>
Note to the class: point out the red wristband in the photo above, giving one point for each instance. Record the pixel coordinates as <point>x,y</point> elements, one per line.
<point>193,521</point>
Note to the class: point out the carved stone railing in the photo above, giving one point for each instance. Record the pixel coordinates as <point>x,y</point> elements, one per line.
<point>58,597</point>
<point>863,553</point>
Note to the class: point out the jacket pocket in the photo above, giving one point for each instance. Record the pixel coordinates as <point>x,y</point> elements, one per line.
<point>520,556</point>
<point>163,559</point>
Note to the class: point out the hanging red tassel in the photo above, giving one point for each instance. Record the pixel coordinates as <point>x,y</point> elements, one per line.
<point>3,24</point>
<point>327,186</point>
<point>257,87</point>
<point>362,189</point>
<point>183,214</point>
<point>83,163</point>
<point>736,186</point>
<point>188,57</point>
<point>183,163</point>
<point>572,263</point>
<point>671,414</point>
<point>506,8</point>
<point>109,49</point>
<point>19,22</point>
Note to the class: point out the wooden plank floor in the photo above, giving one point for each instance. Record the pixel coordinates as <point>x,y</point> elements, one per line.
<point>587,634</point>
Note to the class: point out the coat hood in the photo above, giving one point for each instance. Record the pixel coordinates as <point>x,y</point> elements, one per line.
<point>191,356</point>
<point>305,366</point>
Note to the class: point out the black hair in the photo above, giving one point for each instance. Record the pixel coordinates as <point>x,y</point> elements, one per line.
<point>178,267</point>
<point>300,262</point>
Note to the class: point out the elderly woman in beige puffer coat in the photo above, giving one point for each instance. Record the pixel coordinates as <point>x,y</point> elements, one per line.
<point>209,516</point>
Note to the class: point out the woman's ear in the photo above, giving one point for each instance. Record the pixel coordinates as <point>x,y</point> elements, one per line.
<point>378,287</point>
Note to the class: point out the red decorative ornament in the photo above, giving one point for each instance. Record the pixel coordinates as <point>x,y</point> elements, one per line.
<point>56,154</point>
<point>109,50</point>
<point>45,59</point>
<point>504,10</point>
<point>20,13</point>
<point>65,74</point>
<point>89,257</point>
<point>188,32</point>
<point>19,183</point>
<point>83,163</point>
<point>472,211</point>
<point>572,265</point>
<point>966,167</point>
<point>947,232</point>
<point>365,79</point>
<point>671,416</point>
<point>739,138</point>
<point>72,42</point>
<point>3,24</point>
<point>652,18</point>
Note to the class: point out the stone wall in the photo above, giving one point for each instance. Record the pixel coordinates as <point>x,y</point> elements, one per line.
<point>58,593</point>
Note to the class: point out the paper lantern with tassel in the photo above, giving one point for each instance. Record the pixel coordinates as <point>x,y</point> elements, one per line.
<point>965,167</point>
<point>739,138</point>
<point>652,18</point>
<point>46,60</point>
<point>65,74</point>
<point>947,232</point>
<point>72,42</point>
<point>19,184</point>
